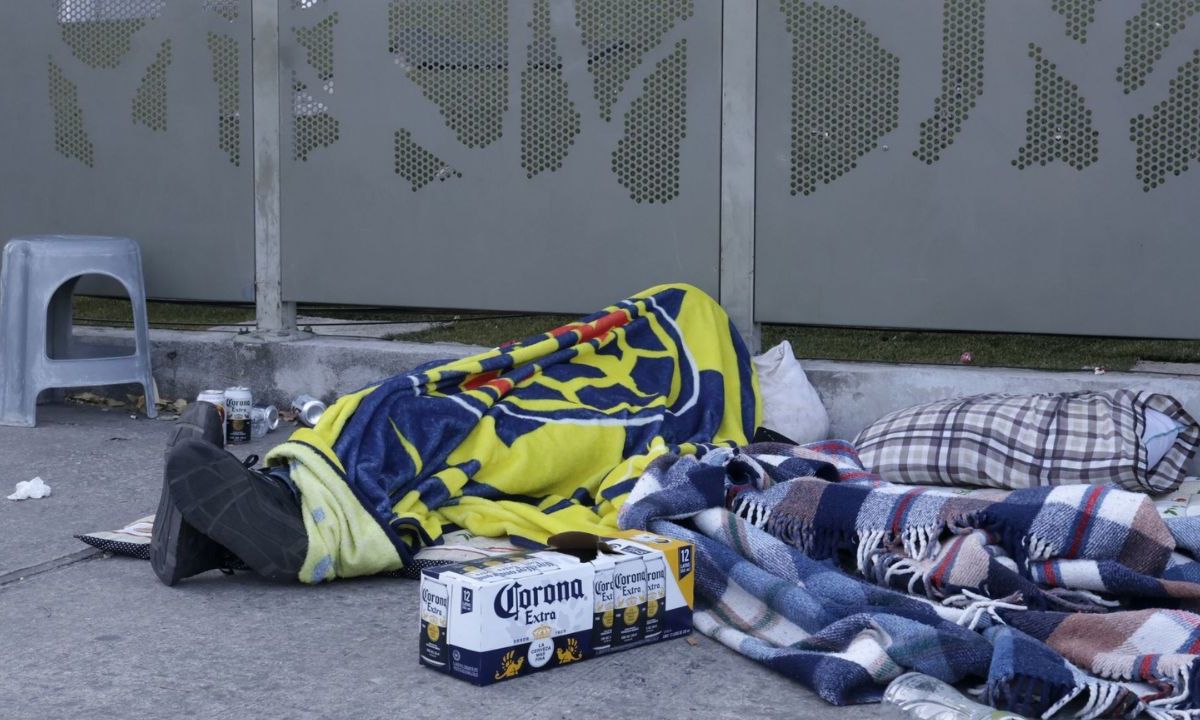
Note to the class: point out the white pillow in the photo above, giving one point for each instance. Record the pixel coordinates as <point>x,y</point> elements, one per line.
<point>1158,436</point>
<point>791,405</point>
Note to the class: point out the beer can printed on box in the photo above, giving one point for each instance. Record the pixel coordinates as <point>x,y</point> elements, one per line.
<point>238,425</point>
<point>674,613</point>
<point>435,619</point>
<point>603,604</point>
<point>656,595</point>
<point>629,601</point>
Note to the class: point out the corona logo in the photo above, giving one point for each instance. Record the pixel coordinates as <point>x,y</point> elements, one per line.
<point>515,597</point>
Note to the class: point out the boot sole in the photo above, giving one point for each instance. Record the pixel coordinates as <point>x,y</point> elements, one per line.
<point>177,550</point>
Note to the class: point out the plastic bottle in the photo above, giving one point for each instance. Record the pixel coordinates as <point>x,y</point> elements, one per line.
<point>916,696</point>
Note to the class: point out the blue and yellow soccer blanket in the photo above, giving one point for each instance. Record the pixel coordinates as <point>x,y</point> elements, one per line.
<point>531,439</point>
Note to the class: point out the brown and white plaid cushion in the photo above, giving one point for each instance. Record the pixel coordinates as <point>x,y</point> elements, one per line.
<point>1018,441</point>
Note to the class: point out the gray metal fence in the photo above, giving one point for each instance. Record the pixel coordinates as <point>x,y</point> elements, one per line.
<point>130,117</point>
<point>969,164</point>
<point>515,154</point>
<point>976,164</point>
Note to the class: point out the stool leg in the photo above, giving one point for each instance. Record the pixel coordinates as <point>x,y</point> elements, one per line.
<point>60,331</point>
<point>60,337</point>
<point>18,396</point>
<point>141,331</point>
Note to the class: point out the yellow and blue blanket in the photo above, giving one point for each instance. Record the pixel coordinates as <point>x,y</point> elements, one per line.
<point>542,436</point>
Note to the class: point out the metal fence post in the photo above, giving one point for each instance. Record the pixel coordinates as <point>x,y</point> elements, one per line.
<point>739,96</point>
<point>273,315</point>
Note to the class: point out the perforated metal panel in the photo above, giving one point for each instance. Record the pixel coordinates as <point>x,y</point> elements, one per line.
<point>113,125</point>
<point>226,62</point>
<point>837,117</point>
<point>1044,193</point>
<point>1168,140</point>
<point>647,157</point>
<point>618,35</point>
<point>1059,127</point>
<point>1079,15</point>
<point>962,76</point>
<point>313,125</point>
<point>509,154</point>
<point>417,165</point>
<point>70,137</point>
<point>456,51</point>
<point>228,9</point>
<point>1148,34</point>
<point>549,120</point>
<point>100,34</point>
<point>150,100</point>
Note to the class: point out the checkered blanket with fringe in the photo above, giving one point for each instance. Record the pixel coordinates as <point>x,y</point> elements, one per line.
<point>986,577</point>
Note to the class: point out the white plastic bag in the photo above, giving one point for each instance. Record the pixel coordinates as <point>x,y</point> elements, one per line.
<point>791,405</point>
<point>34,489</point>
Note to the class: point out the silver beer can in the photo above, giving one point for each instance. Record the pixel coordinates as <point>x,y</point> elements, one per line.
<point>308,410</point>
<point>215,398</point>
<point>263,419</point>
<point>238,423</point>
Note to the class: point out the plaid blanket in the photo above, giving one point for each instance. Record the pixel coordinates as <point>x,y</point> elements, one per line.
<point>1016,441</point>
<point>1059,547</point>
<point>770,585</point>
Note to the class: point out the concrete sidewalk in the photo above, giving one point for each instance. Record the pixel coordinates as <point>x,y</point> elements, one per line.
<point>88,636</point>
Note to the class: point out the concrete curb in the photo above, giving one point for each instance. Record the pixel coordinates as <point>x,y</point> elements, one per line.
<point>855,393</point>
<point>186,363</point>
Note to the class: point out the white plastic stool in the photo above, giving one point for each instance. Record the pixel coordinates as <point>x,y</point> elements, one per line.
<point>37,283</point>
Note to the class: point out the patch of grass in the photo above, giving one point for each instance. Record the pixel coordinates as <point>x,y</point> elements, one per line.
<point>489,332</point>
<point>1047,352</point>
<point>175,315</point>
<point>118,311</point>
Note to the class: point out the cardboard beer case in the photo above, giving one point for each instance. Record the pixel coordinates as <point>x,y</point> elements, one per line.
<point>503,617</point>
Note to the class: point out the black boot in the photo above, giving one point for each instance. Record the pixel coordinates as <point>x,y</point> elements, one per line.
<point>255,515</point>
<point>177,550</point>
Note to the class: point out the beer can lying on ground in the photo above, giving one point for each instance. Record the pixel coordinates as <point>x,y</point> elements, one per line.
<point>263,419</point>
<point>308,410</point>
<point>238,424</point>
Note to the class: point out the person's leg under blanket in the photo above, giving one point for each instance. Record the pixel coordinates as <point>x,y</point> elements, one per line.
<point>527,440</point>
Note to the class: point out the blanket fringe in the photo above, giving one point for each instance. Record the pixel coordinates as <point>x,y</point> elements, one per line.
<point>1081,600</point>
<point>1027,695</point>
<point>976,608</point>
<point>921,541</point>
<point>1187,691</point>
<point>818,544</point>
<point>1039,549</point>
<point>897,568</point>
<point>752,511</point>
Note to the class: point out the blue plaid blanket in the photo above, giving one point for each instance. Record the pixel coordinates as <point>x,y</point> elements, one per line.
<point>771,585</point>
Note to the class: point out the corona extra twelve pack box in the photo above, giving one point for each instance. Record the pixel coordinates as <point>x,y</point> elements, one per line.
<point>503,617</point>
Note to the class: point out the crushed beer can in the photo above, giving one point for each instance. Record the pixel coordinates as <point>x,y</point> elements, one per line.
<point>503,617</point>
